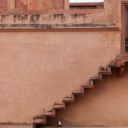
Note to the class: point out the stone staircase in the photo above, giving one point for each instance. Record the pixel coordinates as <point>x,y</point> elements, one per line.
<point>120,64</point>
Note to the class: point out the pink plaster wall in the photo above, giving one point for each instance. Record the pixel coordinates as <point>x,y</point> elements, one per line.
<point>40,68</point>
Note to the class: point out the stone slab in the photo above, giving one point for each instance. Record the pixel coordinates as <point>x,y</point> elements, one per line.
<point>46,4</point>
<point>33,4</point>
<point>21,4</point>
<point>58,4</point>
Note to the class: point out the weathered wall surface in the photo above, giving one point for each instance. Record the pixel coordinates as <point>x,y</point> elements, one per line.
<point>108,15</point>
<point>39,69</point>
<point>105,105</point>
<point>32,4</point>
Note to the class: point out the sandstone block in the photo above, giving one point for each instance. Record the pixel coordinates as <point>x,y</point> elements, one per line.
<point>46,4</point>
<point>58,4</point>
<point>21,4</point>
<point>11,4</point>
<point>33,4</point>
<point>66,4</point>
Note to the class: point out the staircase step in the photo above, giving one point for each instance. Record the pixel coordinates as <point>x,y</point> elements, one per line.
<point>105,72</point>
<point>78,92</point>
<point>114,66</point>
<point>95,79</point>
<point>49,114</point>
<point>87,86</point>
<point>58,106</point>
<point>39,121</point>
<point>68,100</point>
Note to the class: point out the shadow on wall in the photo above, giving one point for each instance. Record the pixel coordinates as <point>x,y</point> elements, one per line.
<point>105,105</point>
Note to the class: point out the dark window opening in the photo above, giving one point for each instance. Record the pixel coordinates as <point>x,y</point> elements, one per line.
<point>94,5</point>
<point>126,29</point>
<point>86,4</point>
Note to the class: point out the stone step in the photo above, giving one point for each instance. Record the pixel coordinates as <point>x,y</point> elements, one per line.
<point>68,99</point>
<point>58,106</point>
<point>78,92</point>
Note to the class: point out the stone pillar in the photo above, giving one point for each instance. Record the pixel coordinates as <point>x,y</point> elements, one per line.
<point>11,4</point>
<point>66,4</point>
<point>46,4</point>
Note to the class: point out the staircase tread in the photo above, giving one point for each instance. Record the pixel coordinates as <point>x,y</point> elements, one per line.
<point>105,72</point>
<point>95,78</point>
<point>87,86</point>
<point>48,114</point>
<point>68,99</point>
<point>114,65</point>
<point>78,92</point>
<point>58,106</point>
<point>39,121</point>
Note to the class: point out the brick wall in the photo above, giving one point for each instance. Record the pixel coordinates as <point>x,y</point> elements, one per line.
<point>34,4</point>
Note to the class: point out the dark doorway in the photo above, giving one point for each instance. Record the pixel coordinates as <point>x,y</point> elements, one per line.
<point>124,30</point>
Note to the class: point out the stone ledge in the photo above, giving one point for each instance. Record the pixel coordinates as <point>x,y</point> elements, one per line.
<point>53,21</point>
<point>30,126</point>
<point>16,126</point>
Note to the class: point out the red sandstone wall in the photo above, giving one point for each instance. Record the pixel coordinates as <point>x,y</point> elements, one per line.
<point>32,4</point>
<point>38,69</point>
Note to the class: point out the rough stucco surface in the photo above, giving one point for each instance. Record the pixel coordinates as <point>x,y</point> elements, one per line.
<point>105,105</point>
<point>109,15</point>
<point>39,69</point>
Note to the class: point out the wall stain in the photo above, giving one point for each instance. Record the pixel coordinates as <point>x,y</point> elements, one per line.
<point>20,17</point>
<point>52,25</point>
<point>34,18</point>
<point>111,37</point>
<point>56,16</point>
<point>3,17</point>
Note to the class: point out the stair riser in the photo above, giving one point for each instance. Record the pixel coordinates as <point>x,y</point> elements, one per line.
<point>87,87</point>
<point>70,101</point>
<point>58,108</point>
<point>106,73</point>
